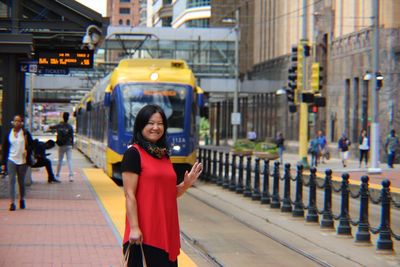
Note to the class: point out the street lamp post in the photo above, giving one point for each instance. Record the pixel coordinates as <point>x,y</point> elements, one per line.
<point>235,117</point>
<point>374,168</point>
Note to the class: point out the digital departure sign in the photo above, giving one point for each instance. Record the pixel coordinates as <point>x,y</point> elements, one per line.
<point>65,58</point>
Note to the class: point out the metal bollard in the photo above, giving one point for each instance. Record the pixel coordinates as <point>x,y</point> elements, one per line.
<point>327,217</point>
<point>363,234</point>
<point>298,210</point>
<point>256,190</point>
<point>312,214</point>
<point>275,199</point>
<point>220,178</point>
<point>232,185</point>
<point>344,221</point>
<point>384,241</point>
<point>265,196</point>
<point>247,189</point>
<point>286,204</point>
<point>239,185</point>
<point>225,184</point>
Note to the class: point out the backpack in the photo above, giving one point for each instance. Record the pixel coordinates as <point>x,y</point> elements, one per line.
<point>62,135</point>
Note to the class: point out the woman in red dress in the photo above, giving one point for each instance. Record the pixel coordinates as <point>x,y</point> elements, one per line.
<point>151,193</point>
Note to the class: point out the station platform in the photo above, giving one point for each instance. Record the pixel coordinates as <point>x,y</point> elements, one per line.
<point>80,223</point>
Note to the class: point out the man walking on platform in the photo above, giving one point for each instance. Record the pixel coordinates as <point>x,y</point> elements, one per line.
<point>65,141</point>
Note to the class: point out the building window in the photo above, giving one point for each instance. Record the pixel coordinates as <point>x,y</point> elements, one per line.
<point>197,3</point>
<point>124,1</point>
<point>124,10</point>
<point>128,22</point>
<point>198,23</point>
<point>120,22</point>
<point>166,22</point>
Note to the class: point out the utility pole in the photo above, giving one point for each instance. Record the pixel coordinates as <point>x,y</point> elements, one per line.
<point>303,125</point>
<point>374,168</point>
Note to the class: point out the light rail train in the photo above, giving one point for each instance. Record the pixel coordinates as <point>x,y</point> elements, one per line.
<point>105,117</point>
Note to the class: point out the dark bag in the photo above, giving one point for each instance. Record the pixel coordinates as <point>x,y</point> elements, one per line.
<point>62,135</point>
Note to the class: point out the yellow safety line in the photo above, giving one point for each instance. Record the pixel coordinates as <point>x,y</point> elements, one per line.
<point>356,182</point>
<point>113,201</point>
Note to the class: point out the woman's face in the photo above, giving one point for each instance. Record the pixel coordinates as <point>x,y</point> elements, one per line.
<point>154,128</point>
<point>17,122</point>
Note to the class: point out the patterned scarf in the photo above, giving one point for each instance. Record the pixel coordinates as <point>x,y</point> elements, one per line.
<point>153,149</point>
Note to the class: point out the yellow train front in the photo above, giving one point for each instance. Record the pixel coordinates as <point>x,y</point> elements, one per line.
<point>106,116</point>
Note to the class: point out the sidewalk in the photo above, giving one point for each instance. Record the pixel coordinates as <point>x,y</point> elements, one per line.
<point>61,226</point>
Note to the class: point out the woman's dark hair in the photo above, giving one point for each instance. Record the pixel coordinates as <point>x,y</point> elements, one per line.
<point>142,118</point>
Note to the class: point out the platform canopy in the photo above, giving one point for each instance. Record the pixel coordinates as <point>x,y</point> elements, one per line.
<point>47,24</point>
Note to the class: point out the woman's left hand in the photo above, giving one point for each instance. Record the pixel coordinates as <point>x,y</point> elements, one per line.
<point>191,177</point>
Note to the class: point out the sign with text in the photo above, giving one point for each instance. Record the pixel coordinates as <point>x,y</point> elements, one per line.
<point>65,58</point>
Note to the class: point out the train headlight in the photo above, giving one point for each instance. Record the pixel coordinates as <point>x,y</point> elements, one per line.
<point>154,76</point>
<point>176,148</point>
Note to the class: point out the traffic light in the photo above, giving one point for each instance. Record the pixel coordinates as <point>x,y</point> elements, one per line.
<point>292,77</point>
<point>300,56</point>
<point>316,77</point>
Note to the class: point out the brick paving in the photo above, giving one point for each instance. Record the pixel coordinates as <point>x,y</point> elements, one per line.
<point>63,224</point>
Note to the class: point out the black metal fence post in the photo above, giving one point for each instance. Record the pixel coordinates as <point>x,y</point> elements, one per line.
<point>256,189</point>
<point>384,241</point>
<point>220,178</point>
<point>298,210</point>
<point>200,159</point>
<point>275,200</point>
<point>225,184</point>
<point>312,214</point>
<point>327,217</point>
<point>344,221</point>
<point>286,203</point>
<point>265,196</point>
<point>208,178</point>
<point>214,167</point>
<point>363,234</point>
<point>239,185</point>
<point>232,184</point>
<point>247,188</point>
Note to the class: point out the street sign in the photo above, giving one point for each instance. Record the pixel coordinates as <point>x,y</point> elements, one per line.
<point>53,71</point>
<point>29,66</point>
<point>235,118</point>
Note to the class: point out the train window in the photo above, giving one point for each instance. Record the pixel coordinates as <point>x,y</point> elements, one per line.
<point>170,97</point>
<point>114,117</point>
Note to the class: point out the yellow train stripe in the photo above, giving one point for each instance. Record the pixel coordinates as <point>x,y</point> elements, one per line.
<point>113,200</point>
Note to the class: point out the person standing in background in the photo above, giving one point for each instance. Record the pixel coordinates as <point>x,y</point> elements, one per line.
<point>343,146</point>
<point>16,155</point>
<point>279,141</point>
<point>65,142</point>
<point>364,147</point>
<point>322,146</point>
<point>391,145</point>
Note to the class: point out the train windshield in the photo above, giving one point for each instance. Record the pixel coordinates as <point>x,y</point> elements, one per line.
<point>170,97</point>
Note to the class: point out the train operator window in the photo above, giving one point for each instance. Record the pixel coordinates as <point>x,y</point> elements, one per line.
<point>170,97</point>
